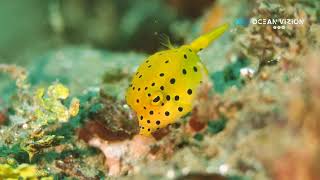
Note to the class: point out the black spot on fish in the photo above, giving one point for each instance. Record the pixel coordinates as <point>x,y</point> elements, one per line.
<point>184,71</point>
<point>189,91</point>
<point>195,69</point>
<point>185,56</point>
<point>172,81</point>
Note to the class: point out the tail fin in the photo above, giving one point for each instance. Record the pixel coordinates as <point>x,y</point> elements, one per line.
<point>206,39</point>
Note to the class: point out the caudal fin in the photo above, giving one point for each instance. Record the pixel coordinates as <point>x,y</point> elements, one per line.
<point>206,39</point>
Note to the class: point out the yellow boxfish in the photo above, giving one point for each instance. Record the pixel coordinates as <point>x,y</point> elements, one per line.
<point>165,84</point>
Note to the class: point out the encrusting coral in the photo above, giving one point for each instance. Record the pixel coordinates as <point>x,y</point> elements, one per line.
<point>47,110</point>
<point>272,46</point>
<point>50,108</point>
<point>23,171</point>
<point>37,113</point>
<point>245,122</point>
<point>303,110</point>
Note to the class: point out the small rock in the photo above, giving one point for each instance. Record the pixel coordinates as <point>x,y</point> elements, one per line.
<point>246,72</point>
<point>3,118</point>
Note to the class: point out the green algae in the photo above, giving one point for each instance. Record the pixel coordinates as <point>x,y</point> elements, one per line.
<point>215,126</point>
<point>229,76</point>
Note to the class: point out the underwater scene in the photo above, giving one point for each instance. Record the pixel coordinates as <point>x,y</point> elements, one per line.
<point>160,89</point>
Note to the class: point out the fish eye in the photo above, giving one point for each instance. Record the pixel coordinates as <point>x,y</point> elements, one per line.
<point>156,98</point>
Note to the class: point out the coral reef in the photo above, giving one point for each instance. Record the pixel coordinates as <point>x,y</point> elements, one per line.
<point>23,171</point>
<point>255,117</point>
